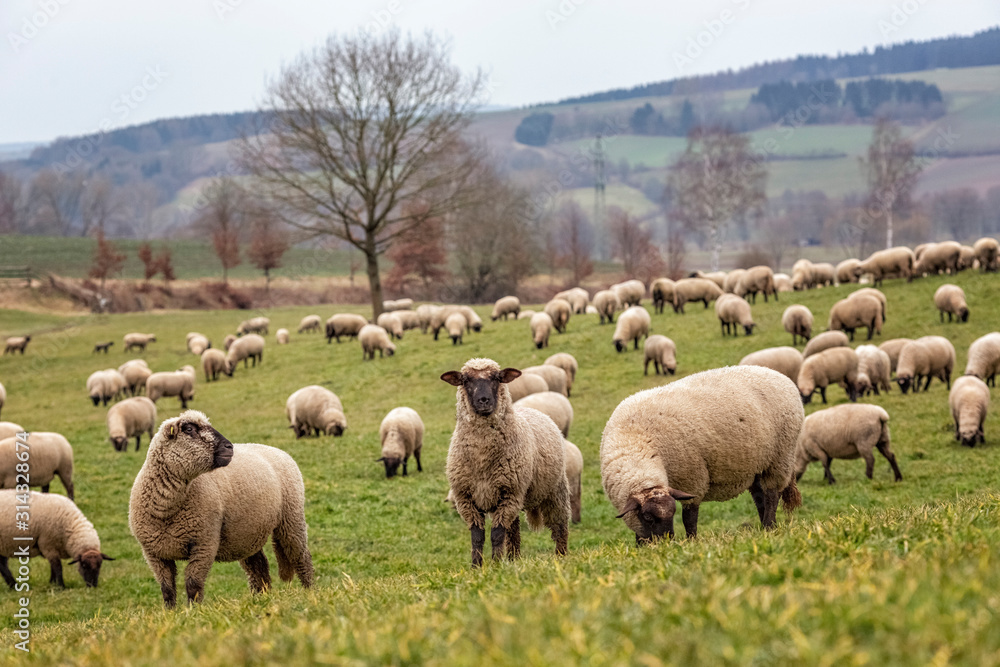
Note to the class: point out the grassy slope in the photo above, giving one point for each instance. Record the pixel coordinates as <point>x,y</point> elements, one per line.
<point>867,570</point>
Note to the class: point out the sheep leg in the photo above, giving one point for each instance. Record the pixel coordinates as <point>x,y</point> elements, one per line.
<point>757,493</point>
<point>67,484</point>
<point>560,535</point>
<point>416,455</point>
<point>45,488</point>
<point>498,539</point>
<point>827,474</point>
<point>56,575</point>
<point>258,572</point>
<point>645,367</point>
<point>689,515</point>
<point>929,377</point>
<point>200,559</point>
<point>5,572</point>
<point>478,534</point>
<point>891,458</point>
<point>822,392</point>
<point>514,540</point>
<point>165,573</point>
<point>869,463</point>
<point>138,441</point>
<point>405,459</point>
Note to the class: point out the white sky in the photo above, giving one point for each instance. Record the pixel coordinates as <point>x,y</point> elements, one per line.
<point>65,64</point>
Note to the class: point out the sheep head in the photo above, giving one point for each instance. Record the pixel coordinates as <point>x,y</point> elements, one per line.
<point>89,565</point>
<point>392,464</point>
<point>904,382</point>
<point>970,435</point>
<point>963,314</point>
<point>120,443</point>
<point>190,446</point>
<point>655,508</point>
<point>481,380</point>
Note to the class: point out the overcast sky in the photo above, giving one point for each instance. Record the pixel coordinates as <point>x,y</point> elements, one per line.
<point>69,67</point>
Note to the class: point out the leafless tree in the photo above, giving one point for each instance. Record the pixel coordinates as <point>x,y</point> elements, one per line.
<point>777,232</point>
<point>141,201</point>
<point>222,220</point>
<point>99,205</point>
<point>13,204</point>
<point>108,261</point>
<point>362,126</point>
<point>891,170</point>
<point>268,242</point>
<point>572,239</point>
<point>632,242</point>
<point>959,213</point>
<point>55,201</point>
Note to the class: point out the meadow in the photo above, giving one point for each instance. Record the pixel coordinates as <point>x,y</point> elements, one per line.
<point>865,572</point>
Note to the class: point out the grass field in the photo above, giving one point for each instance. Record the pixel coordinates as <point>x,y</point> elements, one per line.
<point>866,572</point>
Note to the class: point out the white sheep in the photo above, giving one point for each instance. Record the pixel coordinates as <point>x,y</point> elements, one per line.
<point>732,280</point>
<point>281,336</point>
<point>554,377</point>
<point>402,435</point>
<point>131,418</point>
<point>213,362</point>
<point>732,311</point>
<point>508,305</point>
<point>969,400</point>
<point>630,292</point>
<point>426,313</point>
<point>373,337</point>
<point>255,325</point>
<point>541,328</point>
<point>525,385</point>
<point>783,282</point>
<point>984,358</point>
<point>785,360</point>
<point>825,341</point>
<point>552,404</point>
<point>49,455</point>
<point>574,475</point>
<point>951,299</point>
<point>968,258</point>
<point>938,258</point>
<point>892,348</point>
<point>632,325</point>
<point>577,297</point>
<point>315,409</point>
<point>694,289</point>
<point>408,318</point>
<point>10,429</point>
<point>845,432</point>
<point>927,357</point>
<point>392,323</point>
<point>871,291</point>
<point>798,321</point>
<point>898,262</point>
<point>197,343</point>
<point>344,324</point>
<point>310,323</point>
<point>567,362</point>
<point>758,279</point>
<point>135,372</point>
<point>874,370</point>
<point>832,366</point>
<point>228,341</point>
<point>137,341</point>
<point>607,304</point>
<point>987,251</point>
<point>245,349</point>
<point>662,291</point>
<point>823,274</point>
<point>847,271</point>
<point>855,312</point>
<point>662,352</point>
<point>102,386</point>
<point>559,310</point>
<point>526,314</point>
<point>178,383</point>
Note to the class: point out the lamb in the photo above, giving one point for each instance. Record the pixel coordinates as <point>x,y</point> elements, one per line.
<point>131,418</point>
<point>892,348</point>
<point>228,341</point>
<point>984,358</point>
<point>969,401</point>
<point>694,289</point>
<point>455,325</point>
<point>874,369</point>
<point>559,311</point>
<point>10,429</point>
<point>951,299</point>
<point>402,434</point>
<point>845,432</point>
<point>926,357</point>
<point>567,362</point>
<point>503,459</point>
<point>831,366</point>
<point>392,323</point>
<point>281,336</point>
<point>823,274</point>
<point>732,280</point>
<point>525,385</point>
<point>554,377</point>
<point>373,337</point>
<point>871,291</point>
<point>314,410</point>
<point>574,475</point>
<point>707,437</point>
<point>987,251</point>
<point>630,292</point>
<point>854,312</point>
<point>50,454</point>
<point>344,324</point>
<point>250,347</point>
<point>757,279</point>
<point>662,290</point>
<point>508,305</point>
<point>310,323</point>
<point>197,343</point>
<point>103,346</point>
<point>607,303</point>
<point>174,383</point>
<point>847,271</point>
<point>662,352</point>
<point>577,297</point>
<point>255,325</point>
<point>213,362</point>
<point>732,310</point>
<point>798,321</point>
<point>135,372</point>
<point>784,360</point>
<point>17,344</point>
<point>177,512</point>
<point>825,341</point>
<point>632,325</point>
<point>137,341</point>
<point>939,258</point>
<point>552,404</point>
<point>57,530</point>
<point>102,386</point>
<point>541,327</point>
<point>890,262</point>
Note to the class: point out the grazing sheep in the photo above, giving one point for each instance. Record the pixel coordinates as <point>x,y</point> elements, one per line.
<point>402,434</point>
<point>310,323</point>
<point>503,459</point>
<point>50,454</point>
<point>854,312</point>
<point>845,432</point>
<point>426,313</point>
<point>314,410</point>
<point>567,362</point>
<point>344,324</point>
<point>898,261</point>
<point>3,396</point>
<point>441,315</point>
<point>392,323</point>
<point>525,385</point>
<point>969,401</point>
<point>255,325</point>
<point>732,280</point>
<point>662,291</point>
<point>607,304</point>
<point>951,299</point>
<point>397,305</point>
<point>137,341</point>
<point>17,344</point>
<point>823,274</point>
<point>632,325</point>
<point>577,297</point>
<point>250,347</point>
<point>987,251</point>
<point>541,328</point>
<point>757,279</point>
<point>967,260</point>
<point>707,437</point>
<point>57,530</point>
<point>662,352</point>
<point>892,348</point>
<point>553,404</point>
<point>694,289</point>
<point>473,321</point>
<point>228,341</point>
<point>197,343</point>
<point>526,314</point>
<point>871,291</point>
<point>173,383</point>
<point>102,386</point>
<point>135,372</point>
<point>847,271</point>
<point>213,362</point>
<point>9,430</point>
<point>559,311</point>
<point>281,336</point>
<point>831,366</point>
<point>798,321</point>
<point>984,358</point>
<point>590,310</point>
<point>926,357</point>
<point>574,475</point>
<point>732,310</point>
<point>630,292</point>
<point>785,360</point>
<point>103,347</point>
<point>131,418</point>
<point>783,282</point>
<point>508,305</point>
<point>874,370</point>
<point>825,341</point>
<point>177,512</point>
<point>939,258</point>
<point>455,325</point>
<point>373,337</point>
<point>802,279</point>
<point>408,318</point>
<point>554,377</point>
<point>717,277</point>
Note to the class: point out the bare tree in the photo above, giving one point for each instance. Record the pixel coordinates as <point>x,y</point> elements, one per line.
<point>55,201</point>
<point>419,256</point>
<point>149,267</point>
<point>716,180</point>
<point>958,212</point>
<point>13,204</point>
<point>573,240</point>
<point>777,231</point>
<point>222,219</point>
<point>891,170</point>
<point>633,243</point>
<point>108,261</point>
<point>165,264</point>
<point>141,201</point>
<point>362,126</point>
<point>99,205</point>
<point>268,244</point>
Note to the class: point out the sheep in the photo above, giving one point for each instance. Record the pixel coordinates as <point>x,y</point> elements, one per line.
<point>526,314</point>
<point>391,323</point>
<point>939,258</point>
<point>802,279</point>
<point>508,305</point>
<point>798,321</point>
<point>577,297</point>
<point>892,348</point>
<point>281,336</point>
<point>825,341</point>
<point>552,404</point>
<point>397,305</point>
<point>874,369</point>
<point>853,312</point>
<point>926,357</point>
<point>441,315</point>
<point>135,372</point>
<point>137,341</point>
<point>919,250</point>
<point>344,324</point>
<point>632,325</point>
<point>732,280</point>
<point>967,260</point>
<point>823,274</point>
<point>607,303</point>
<point>213,362</point>
<point>783,282</point>
<point>249,347</point>
<point>473,321</point>
<point>662,291</point>
<point>969,400</point>
<point>402,435</point>
<point>197,343</point>
<point>757,279</point>
<point>373,337</point>
<point>178,383</point>
<point>176,512</point>
<point>574,475</point>
<point>554,377</point>
<point>987,250</point>
<point>503,459</point>
<point>255,325</point>
<point>559,310</point>
<point>984,358</point>
<point>871,291</point>
<point>103,346</point>
<point>17,344</point>
<point>455,325</point>
<point>408,318</point>
<point>717,277</point>
<point>785,360</point>
<point>3,396</point>
<point>50,455</point>
<point>525,385</point>
<point>630,292</point>
<point>567,362</point>
<point>885,263</point>
<point>846,271</point>
<point>314,410</point>
<point>834,365</point>
<point>310,323</point>
<point>845,432</point>
<point>57,530</point>
<point>102,386</point>
<point>707,437</point>
<point>591,310</point>
<point>9,430</point>
<point>541,327</point>
<point>662,352</point>
<point>131,418</point>
<point>426,313</point>
<point>732,310</point>
<point>694,289</point>
<point>228,341</point>
<point>951,299</point>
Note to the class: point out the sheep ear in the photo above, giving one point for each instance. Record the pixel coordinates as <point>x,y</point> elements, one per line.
<point>172,431</point>
<point>379,460</point>
<point>631,506</point>
<point>453,378</point>
<point>679,495</point>
<point>74,561</point>
<point>509,375</point>
<point>105,556</point>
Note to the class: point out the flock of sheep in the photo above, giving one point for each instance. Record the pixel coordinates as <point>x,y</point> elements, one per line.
<point>509,451</point>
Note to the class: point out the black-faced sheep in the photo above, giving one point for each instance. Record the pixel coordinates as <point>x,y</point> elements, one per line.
<point>785,360</point>
<point>987,251</point>
<point>854,312</point>
<point>845,432</point>
<point>315,409</point>
<point>825,341</point>
<point>508,305</point>
<point>732,311</point>
<point>847,271</point>
<point>135,372</point>
<point>402,435</point>
<point>951,299</point>
<point>758,279</point>
<point>567,362</point>
<point>131,418</point>
<point>373,337</point>
<point>344,324</point>
<point>103,346</point>
<point>607,304</point>
<point>984,358</point>
<point>874,370</point>
<point>832,366</point>
<point>50,455</point>
<point>798,321</point>
<point>392,323</point>
<point>16,344</point>
<point>310,323</point>
<point>694,289</point>
<point>455,324</point>
<point>662,291</point>
<point>938,258</point>
<point>541,329</point>
<point>102,386</point>
<point>552,404</point>
<point>969,401</point>
<point>927,357</point>
<point>172,383</point>
<point>137,341</point>
<point>249,347</point>
<point>632,325</point>
<point>878,294</point>
<point>559,310</point>
<point>662,352</point>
